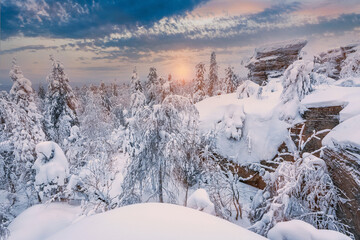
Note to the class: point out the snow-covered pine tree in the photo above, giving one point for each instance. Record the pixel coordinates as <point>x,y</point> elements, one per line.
<point>135,84</point>
<point>153,87</point>
<point>166,89</point>
<point>296,81</point>
<point>296,85</point>
<point>27,130</point>
<point>137,98</point>
<point>213,76</point>
<point>20,131</point>
<point>60,105</point>
<point>199,83</point>
<point>230,80</point>
<point>8,120</point>
<point>41,92</point>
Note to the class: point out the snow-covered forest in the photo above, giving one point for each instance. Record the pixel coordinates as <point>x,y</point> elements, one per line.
<point>275,155</point>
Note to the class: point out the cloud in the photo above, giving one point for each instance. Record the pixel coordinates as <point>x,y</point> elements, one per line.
<point>26,48</point>
<point>84,18</point>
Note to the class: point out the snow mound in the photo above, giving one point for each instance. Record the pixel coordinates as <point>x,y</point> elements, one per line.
<point>51,164</point>
<point>299,230</point>
<point>154,221</point>
<point>43,220</point>
<point>200,200</point>
<point>344,134</point>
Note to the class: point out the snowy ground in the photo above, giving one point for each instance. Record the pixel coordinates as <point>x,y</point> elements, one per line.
<point>140,221</point>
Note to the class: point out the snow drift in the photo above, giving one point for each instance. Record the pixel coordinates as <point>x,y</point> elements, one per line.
<point>154,221</point>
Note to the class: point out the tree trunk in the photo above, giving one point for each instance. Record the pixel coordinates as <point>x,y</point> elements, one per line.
<point>160,190</point>
<point>186,193</point>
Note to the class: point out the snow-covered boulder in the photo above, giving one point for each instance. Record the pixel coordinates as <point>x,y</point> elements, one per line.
<point>52,168</point>
<point>200,200</point>
<point>299,230</point>
<point>272,60</point>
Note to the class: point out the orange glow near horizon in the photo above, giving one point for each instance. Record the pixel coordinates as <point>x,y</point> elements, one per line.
<point>182,71</point>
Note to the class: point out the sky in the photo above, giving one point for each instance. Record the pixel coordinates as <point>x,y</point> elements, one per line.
<point>103,40</point>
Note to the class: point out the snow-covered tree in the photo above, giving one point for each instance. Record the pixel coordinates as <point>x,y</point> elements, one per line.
<point>94,185</point>
<point>41,92</point>
<point>135,84</point>
<point>230,80</point>
<point>162,146</point>
<point>199,83</point>
<point>296,81</point>
<point>166,88</point>
<point>52,171</point>
<point>23,130</point>
<point>302,189</point>
<point>213,76</point>
<point>137,98</point>
<point>153,87</point>
<point>60,105</point>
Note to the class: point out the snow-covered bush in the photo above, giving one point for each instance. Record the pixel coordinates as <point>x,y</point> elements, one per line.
<point>52,170</point>
<point>200,200</point>
<point>300,230</point>
<point>94,185</point>
<point>247,89</point>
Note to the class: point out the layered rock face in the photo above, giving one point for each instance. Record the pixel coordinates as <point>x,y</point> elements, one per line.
<point>331,62</point>
<point>271,61</point>
<point>343,164</point>
<point>344,168</point>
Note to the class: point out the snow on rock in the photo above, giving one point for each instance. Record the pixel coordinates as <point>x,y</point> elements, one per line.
<point>200,200</point>
<point>51,164</point>
<point>43,220</point>
<point>271,60</point>
<point>339,62</point>
<point>344,134</point>
<point>299,230</point>
<point>331,95</point>
<point>154,221</point>
<point>262,132</point>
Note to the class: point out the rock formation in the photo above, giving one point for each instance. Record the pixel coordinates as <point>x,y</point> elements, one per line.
<point>331,62</point>
<point>271,61</point>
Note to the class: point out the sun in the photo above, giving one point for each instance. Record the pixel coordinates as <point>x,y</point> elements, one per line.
<point>181,70</point>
